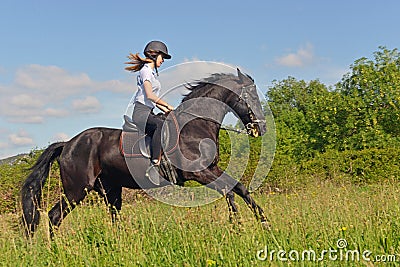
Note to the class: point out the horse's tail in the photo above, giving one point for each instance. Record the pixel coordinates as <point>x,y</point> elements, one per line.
<point>32,188</point>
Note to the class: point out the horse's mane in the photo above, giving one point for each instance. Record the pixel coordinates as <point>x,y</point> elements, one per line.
<point>205,86</point>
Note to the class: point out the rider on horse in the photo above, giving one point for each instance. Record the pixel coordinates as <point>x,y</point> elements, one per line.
<point>147,95</point>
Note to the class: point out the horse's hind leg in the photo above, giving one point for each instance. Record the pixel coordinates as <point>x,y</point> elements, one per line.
<point>242,191</point>
<point>114,200</point>
<point>112,196</point>
<point>75,190</point>
<point>58,213</point>
<point>63,207</point>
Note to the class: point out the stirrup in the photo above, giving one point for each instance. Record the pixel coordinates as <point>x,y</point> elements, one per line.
<point>153,174</point>
<point>168,169</point>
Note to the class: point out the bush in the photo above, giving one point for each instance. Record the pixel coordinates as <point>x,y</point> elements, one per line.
<point>13,174</point>
<point>358,166</point>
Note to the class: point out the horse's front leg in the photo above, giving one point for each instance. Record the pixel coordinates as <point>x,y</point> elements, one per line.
<point>242,191</point>
<point>238,188</point>
<point>220,181</point>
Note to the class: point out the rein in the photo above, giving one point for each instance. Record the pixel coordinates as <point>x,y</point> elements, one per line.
<point>238,131</point>
<point>221,127</point>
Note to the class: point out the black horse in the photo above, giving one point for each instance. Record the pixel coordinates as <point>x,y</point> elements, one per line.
<point>92,160</point>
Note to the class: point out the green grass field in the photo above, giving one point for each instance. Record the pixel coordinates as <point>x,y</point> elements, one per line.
<point>149,233</point>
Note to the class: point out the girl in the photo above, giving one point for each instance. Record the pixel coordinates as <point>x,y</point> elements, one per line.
<point>147,95</point>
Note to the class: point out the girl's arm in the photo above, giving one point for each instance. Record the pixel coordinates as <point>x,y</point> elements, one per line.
<point>148,88</point>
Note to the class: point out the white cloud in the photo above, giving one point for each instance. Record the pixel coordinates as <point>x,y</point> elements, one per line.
<point>27,119</point>
<point>51,80</point>
<point>115,86</point>
<point>39,92</point>
<point>21,138</point>
<point>303,56</point>
<point>3,135</point>
<point>53,112</point>
<point>174,78</point>
<point>58,82</point>
<point>21,114</point>
<point>192,70</point>
<point>89,104</point>
<point>3,145</point>
<point>26,101</point>
<point>60,137</point>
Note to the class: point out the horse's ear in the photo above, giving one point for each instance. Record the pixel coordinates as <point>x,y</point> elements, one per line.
<point>241,76</point>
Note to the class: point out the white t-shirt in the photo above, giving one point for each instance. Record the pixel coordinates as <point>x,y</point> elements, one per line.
<point>147,74</point>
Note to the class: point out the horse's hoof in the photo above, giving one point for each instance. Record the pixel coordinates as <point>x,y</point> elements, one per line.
<point>266,225</point>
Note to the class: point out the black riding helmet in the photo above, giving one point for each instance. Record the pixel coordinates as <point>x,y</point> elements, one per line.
<point>156,47</point>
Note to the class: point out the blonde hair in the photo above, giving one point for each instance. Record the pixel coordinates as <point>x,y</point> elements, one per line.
<point>137,62</point>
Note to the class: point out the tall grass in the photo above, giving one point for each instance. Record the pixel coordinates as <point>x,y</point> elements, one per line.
<point>150,233</point>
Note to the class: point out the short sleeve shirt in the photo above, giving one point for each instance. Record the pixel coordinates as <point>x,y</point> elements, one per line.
<point>147,74</point>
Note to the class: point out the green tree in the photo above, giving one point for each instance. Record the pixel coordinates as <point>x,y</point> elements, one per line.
<point>371,91</point>
<point>298,124</point>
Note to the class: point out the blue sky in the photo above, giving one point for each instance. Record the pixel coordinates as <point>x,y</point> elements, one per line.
<point>61,62</point>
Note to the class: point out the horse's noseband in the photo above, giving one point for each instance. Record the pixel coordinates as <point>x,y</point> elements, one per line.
<point>244,95</point>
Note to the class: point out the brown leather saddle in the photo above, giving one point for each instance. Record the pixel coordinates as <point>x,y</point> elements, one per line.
<point>136,144</point>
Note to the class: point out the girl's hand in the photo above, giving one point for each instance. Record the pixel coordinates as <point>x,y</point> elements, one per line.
<point>163,108</point>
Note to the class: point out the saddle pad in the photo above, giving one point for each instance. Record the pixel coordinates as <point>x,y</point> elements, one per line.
<point>134,144</point>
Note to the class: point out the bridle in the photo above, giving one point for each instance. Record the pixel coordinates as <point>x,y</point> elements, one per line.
<point>244,95</point>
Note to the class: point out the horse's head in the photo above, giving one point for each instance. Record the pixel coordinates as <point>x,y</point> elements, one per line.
<point>246,104</point>
<point>237,92</point>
